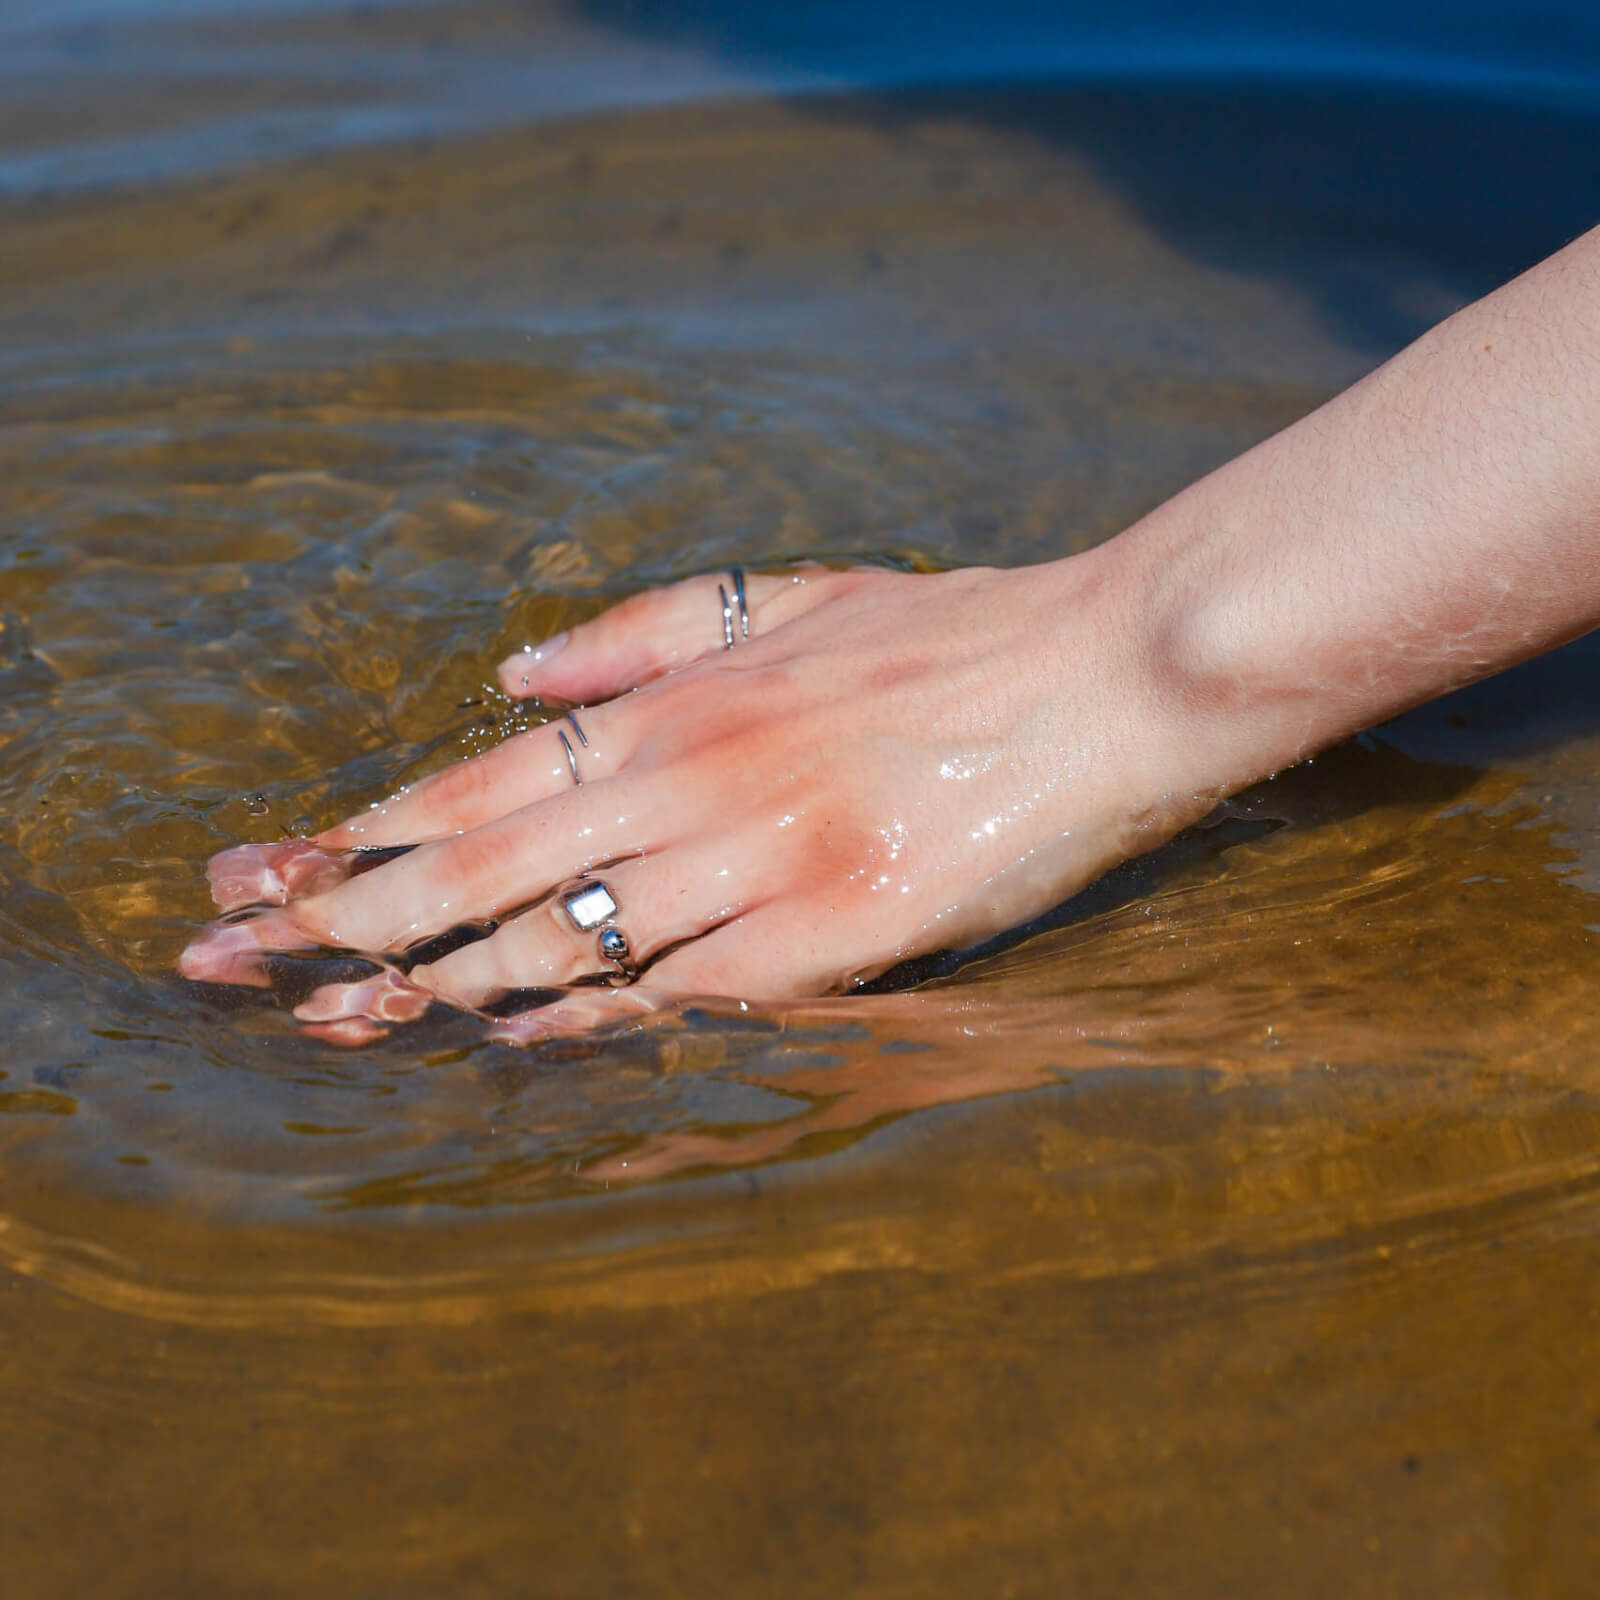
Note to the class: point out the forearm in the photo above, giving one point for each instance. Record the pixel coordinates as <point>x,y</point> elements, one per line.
<point>1436,522</point>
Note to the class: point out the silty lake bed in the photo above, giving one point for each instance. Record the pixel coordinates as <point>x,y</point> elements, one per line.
<point>1236,1232</point>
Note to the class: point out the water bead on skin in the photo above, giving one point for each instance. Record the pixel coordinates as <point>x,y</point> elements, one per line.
<point>537,655</point>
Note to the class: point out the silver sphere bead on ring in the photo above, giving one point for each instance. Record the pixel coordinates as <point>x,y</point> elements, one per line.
<point>591,907</point>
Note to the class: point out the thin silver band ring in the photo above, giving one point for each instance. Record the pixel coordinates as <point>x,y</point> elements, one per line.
<point>566,744</point>
<point>728,636</point>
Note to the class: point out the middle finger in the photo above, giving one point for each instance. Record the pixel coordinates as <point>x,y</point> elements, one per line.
<point>578,747</point>
<point>472,877</point>
<point>657,904</point>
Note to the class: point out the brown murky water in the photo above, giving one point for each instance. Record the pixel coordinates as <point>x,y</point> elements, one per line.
<point>1235,1232</point>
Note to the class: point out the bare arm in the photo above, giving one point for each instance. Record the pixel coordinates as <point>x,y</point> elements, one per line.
<point>1436,522</point>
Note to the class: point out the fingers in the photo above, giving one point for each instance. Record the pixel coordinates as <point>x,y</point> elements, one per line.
<point>484,873</point>
<point>656,904</point>
<point>386,997</point>
<point>580,747</point>
<point>767,954</point>
<point>351,1031</point>
<point>498,833</point>
<point>581,1012</point>
<point>271,874</point>
<point>621,649</point>
<point>744,957</point>
<point>625,647</point>
<point>236,952</point>
<point>473,877</point>
<point>712,949</point>
<point>656,632</point>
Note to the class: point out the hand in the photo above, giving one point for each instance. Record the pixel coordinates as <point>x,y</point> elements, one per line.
<point>888,766</point>
<point>891,765</point>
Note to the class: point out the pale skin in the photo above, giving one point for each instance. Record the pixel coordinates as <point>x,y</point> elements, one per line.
<point>893,764</point>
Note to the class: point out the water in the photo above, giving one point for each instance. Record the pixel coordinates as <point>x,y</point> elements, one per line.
<point>1237,1228</point>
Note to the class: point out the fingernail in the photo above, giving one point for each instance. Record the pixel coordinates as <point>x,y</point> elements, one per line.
<point>519,666</point>
<point>535,654</point>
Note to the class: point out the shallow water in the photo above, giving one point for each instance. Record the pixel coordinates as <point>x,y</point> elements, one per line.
<point>1235,1231</point>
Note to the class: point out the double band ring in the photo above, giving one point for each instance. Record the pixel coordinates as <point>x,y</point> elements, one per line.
<point>566,744</point>
<point>591,907</point>
<point>729,638</point>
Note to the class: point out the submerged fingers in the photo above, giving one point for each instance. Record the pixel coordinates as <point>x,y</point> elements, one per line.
<point>611,924</point>
<point>486,872</point>
<point>238,952</point>
<point>271,874</point>
<point>581,1012</point>
<point>492,840</point>
<point>319,900</point>
<point>387,996</point>
<point>424,893</point>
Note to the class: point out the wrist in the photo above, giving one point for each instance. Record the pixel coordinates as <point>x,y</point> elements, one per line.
<point>1134,728</point>
<point>1223,659</point>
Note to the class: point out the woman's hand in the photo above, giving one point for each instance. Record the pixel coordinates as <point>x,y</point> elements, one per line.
<point>888,765</point>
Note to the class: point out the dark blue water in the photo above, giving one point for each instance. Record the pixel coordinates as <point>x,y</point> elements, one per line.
<point>104,91</point>
<point>1236,1234</point>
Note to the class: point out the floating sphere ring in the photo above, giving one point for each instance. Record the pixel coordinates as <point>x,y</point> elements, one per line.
<point>591,907</point>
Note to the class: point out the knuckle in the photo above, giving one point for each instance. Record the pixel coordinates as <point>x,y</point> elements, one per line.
<point>484,858</point>
<point>466,781</point>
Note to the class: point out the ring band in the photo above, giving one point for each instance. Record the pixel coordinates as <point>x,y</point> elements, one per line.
<point>591,908</point>
<point>566,744</point>
<point>728,636</point>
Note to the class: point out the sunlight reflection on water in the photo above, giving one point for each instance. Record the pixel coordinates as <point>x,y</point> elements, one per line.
<point>289,455</point>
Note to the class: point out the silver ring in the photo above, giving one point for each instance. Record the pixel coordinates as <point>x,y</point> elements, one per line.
<point>592,908</point>
<point>566,744</point>
<point>728,639</point>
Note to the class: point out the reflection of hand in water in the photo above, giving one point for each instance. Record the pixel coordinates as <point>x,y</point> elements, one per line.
<point>923,1050</point>
<point>891,764</point>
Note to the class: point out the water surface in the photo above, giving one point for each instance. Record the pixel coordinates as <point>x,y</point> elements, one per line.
<point>1237,1227</point>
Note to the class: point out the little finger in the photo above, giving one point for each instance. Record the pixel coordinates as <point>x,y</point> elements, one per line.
<point>237,952</point>
<point>607,924</point>
<point>581,1012</point>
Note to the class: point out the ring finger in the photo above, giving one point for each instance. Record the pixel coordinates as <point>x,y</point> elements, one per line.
<point>650,905</point>
<point>481,874</point>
